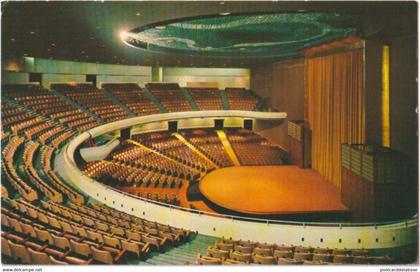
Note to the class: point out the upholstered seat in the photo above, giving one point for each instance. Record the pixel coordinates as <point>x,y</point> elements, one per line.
<point>19,253</point>
<point>259,259</point>
<point>38,257</point>
<point>283,254</point>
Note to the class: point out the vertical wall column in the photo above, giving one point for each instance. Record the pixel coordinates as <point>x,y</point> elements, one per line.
<point>157,74</point>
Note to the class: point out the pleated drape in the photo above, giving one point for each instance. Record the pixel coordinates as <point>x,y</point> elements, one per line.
<point>335,108</point>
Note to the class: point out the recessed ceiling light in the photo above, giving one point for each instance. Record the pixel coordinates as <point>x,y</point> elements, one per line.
<point>53,44</point>
<point>138,14</point>
<point>12,39</point>
<point>224,13</point>
<point>32,32</point>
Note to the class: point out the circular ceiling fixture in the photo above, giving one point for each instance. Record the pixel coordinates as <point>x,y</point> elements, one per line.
<point>242,36</point>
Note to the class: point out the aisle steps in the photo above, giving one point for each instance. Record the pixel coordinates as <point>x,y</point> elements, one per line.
<point>224,99</point>
<point>151,96</point>
<point>189,98</point>
<point>119,103</point>
<point>182,254</point>
<point>193,148</point>
<point>229,150</point>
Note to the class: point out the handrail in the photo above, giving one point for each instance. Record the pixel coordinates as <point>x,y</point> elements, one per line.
<point>72,163</point>
<point>268,221</point>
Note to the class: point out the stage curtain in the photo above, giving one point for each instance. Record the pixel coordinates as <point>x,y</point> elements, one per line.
<point>335,108</point>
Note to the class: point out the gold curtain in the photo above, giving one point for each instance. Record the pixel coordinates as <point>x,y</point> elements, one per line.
<point>335,108</point>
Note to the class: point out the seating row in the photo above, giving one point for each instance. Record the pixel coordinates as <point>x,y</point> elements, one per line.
<point>253,149</point>
<point>206,98</point>
<point>92,99</point>
<point>133,97</point>
<point>228,251</point>
<point>170,96</point>
<point>207,141</point>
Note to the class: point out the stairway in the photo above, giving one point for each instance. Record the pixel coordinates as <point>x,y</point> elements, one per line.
<point>224,99</point>
<point>189,98</point>
<point>154,100</point>
<point>76,105</point>
<point>119,103</point>
<point>229,150</point>
<point>182,254</point>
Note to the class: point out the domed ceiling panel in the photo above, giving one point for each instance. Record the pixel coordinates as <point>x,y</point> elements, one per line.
<point>242,36</point>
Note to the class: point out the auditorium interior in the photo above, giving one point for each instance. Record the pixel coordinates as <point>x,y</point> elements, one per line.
<point>209,133</point>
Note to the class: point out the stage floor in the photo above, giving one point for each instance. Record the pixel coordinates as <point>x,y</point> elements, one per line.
<point>270,190</point>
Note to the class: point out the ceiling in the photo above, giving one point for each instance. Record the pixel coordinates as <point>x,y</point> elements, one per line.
<point>91,31</point>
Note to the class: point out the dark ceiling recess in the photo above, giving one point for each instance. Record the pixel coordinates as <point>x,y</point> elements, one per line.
<point>91,31</point>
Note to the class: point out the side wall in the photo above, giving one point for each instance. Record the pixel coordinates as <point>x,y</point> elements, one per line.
<point>16,71</point>
<point>284,85</point>
<point>404,96</point>
<point>225,77</point>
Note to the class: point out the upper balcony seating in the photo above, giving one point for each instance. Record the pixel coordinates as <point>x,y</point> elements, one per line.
<point>170,96</point>
<point>132,96</point>
<point>92,99</point>
<point>241,99</point>
<point>44,102</point>
<point>206,98</point>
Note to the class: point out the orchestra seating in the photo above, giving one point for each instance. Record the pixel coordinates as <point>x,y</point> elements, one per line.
<point>229,251</point>
<point>206,98</point>
<point>253,149</point>
<point>135,156</point>
<point>92,99</point>
<point>170,96</point>
<point>133,97</point>
<point>207,141</point>
<point>170,146</point>
<point>241,99</point>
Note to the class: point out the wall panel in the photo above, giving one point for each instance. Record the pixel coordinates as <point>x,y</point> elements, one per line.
<point>283,84</point>
<point>14,77</point>
<point>404,96</point>
<point>226,77</point>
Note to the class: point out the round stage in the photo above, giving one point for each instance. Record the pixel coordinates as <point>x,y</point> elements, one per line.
<point>270,190</point>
